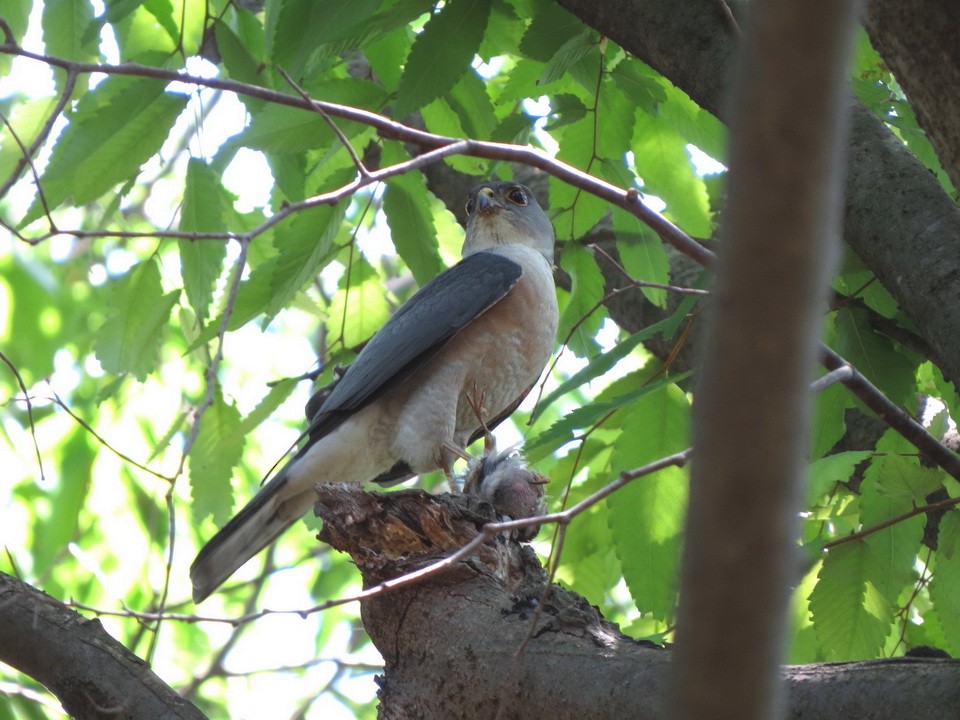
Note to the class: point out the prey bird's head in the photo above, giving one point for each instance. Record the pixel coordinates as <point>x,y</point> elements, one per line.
<point>506,481</point>
<point>506,213</point>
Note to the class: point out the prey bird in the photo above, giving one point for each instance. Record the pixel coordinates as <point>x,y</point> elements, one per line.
<point>454,360</point>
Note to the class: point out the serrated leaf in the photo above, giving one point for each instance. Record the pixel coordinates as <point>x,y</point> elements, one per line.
<point>850,615</point>
<point>826,472</point>
<point>52,532</point>
<point>469,99</point>
<point>945,587</point>
<point>597,366</point>
<point>359,308</point>
<point>27,119</point>
<point>215,453</point>
<point>894,548</point>
<point>201,261</point>
<point>282,129</point>
<point>949,533</point>
<point>116,128</point>
<point>407,207</point>
<point>575,212</point>
<point>581,316</point>
<point>664,164</point>
<point>642,254</point>
<point>904,479</point>
<point>65,31</point>
<point>304,247</point>
<point>238,57</point>
<point>874,355</point>
<point>129,340</point>
<point>562,430</point>
<point>568,54</point>
<point>646,516</point>
<point>442,53</point>
<point>829,425</point>
<point>638,82</point>
<point>550,28</point>
<point>270,402</point>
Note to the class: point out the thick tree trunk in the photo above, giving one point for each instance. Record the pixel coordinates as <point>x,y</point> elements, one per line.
<point>897,217</point>
<point>468,642</point>
<point>918,41</point>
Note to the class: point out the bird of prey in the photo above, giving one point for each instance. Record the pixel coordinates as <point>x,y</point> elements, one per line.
<point>454,360</point>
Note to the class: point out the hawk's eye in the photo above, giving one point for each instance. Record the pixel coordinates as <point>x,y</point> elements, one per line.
<point>517,196</point>
<point>471,205</point>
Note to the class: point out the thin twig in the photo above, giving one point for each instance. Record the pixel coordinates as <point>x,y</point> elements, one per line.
<point>100,439</point>
<point>26,399</point>
<point>28,153</point>
<point>361,168</point>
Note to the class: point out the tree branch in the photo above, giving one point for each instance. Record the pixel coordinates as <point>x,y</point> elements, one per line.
<point>93,675</point>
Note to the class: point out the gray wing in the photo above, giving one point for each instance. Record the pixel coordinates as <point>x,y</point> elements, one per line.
<point>414,335</point>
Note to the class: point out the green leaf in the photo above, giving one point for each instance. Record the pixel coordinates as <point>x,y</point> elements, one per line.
<point>642,254</point>
<point>945,587</point>
<point>576,212</point>
<point>17,15</point>
<point>52,533</point>
<point>116,128</point>
<point>238,57</point>
<point>562,430</point>
<point>894,548</point>
<point>282,129</point>
<point>551,27</point>
<point>638,82</point>
<point>27,119</point>
<point>359,307</point>
<point>850,615</point>
<point>829,425</point>
<point>582,315</point>
<point>65,24</point>
<point>407,207</point>
<point>304,246</point>
<point>874,355</point>
<point>201,261</point>
<point>597,366</point>
<point>904,479</point>
<point>664,164</point>
<point>569,54</point>
<point>442,53</point>
<point>270,402</point>
<point>288,44</point>
<point>826,472</point>
<point>129,340</point>
<point>215,453</point>
<point>646,516</point>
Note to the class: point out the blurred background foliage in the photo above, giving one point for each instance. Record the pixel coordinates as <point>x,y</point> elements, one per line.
<point>118,279</point>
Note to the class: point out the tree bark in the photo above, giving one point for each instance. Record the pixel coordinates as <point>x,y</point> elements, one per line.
<point>918,41</point>
<point>452,642</point>
<point>91,674</point>
<point>897,217</point>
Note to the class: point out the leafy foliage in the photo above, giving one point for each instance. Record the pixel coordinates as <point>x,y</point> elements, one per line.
<point>135,281</point>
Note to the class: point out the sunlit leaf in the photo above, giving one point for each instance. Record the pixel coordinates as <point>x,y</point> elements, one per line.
<point>406,204</point>
<point>945,588</point>
<point>642,255</point>
<point>114,130</point>
<point>646,516</point>
<point>214,455</point>
<point>201,261</point>
<point>53,531</point>
<point>442,53</point>
<point>130,339</point>
<point>850,615</point>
